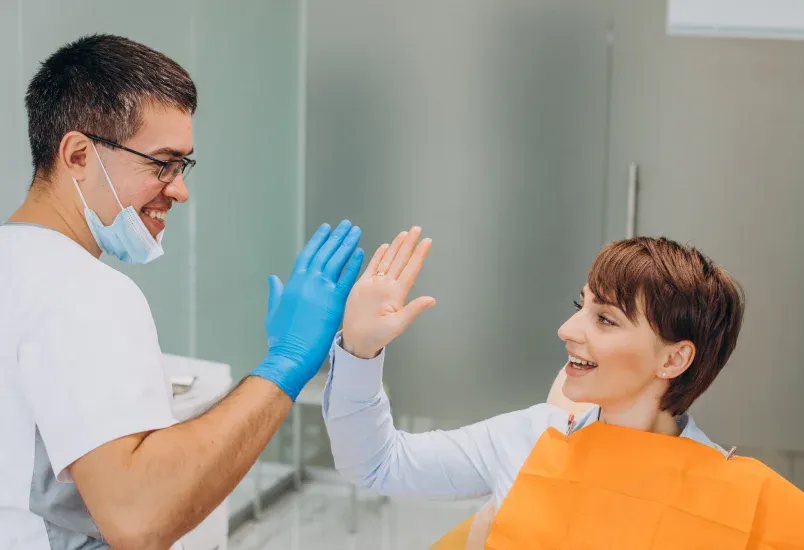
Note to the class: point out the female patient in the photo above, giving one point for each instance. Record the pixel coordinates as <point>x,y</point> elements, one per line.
<point>653,326</point>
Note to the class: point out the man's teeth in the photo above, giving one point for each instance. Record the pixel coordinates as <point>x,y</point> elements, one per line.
<point>156,214</point>
<point>578,363</point>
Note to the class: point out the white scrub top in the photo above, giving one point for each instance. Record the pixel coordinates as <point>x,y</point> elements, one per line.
<point>80,366</point>
<point>477,460</point>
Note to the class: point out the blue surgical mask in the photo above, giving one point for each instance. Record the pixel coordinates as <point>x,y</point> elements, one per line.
<point>127,239</point>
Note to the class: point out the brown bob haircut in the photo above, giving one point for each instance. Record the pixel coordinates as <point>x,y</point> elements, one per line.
<point>683,295</point>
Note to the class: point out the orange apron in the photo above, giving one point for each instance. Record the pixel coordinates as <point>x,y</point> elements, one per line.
<point>607,487</point>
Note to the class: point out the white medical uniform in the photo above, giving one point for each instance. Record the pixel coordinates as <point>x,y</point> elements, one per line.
<point>477,460</point>
<point>80,365</point>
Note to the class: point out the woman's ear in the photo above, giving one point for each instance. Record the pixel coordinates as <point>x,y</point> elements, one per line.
<point>679,358</point>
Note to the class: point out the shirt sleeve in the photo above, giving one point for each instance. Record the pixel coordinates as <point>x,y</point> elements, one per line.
<point>92,371</point>
<point>372,453</point>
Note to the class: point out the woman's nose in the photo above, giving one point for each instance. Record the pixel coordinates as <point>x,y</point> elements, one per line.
<point>572,330</point>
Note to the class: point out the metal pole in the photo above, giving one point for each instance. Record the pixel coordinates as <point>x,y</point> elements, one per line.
<point>633,184</point>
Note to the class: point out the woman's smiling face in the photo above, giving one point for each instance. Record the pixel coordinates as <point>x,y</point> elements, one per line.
<point>613,361</point>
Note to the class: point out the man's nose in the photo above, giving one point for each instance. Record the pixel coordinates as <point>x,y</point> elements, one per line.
<point>176,190</point>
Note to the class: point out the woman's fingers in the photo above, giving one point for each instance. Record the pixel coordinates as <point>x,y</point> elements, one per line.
<point>405,252</point>
<point>385,263</point>
<point>371,270</point>
<point>411,271</point>
<point>409,313</point>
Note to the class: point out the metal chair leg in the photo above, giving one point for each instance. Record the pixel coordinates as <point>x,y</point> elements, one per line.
<point>353,511</point>
<point>297,447</point>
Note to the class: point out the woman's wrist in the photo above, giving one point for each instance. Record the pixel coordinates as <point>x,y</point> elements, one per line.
<point>359,351</point>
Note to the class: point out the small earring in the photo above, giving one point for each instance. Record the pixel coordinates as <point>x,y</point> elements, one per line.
<point>664,375</point>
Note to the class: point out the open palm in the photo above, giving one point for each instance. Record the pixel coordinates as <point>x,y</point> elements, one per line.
<point>376,312</point>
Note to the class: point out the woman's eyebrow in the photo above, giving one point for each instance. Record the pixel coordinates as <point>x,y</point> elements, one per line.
<point>594,298</point>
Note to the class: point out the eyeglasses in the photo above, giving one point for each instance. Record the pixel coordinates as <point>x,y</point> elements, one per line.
<point>168,170</point>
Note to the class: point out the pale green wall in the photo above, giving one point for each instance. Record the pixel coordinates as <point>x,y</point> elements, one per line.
<point>485,123</point>
<point>247,209</point>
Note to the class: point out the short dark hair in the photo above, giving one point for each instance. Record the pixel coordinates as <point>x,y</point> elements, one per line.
<point>99,84</point>
<point>684,296</point>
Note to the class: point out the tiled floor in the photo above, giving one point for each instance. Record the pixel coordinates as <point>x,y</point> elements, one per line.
<point>245,493</point>
<point>318,518</point>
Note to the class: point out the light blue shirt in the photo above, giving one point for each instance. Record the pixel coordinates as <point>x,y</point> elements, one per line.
<point>473,461</point>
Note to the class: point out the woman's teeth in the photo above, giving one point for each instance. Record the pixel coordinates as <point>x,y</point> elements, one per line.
<point>160,215</point>
<point>581,364</point>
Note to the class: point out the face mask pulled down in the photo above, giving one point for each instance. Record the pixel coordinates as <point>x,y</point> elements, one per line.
<point>127,239</point>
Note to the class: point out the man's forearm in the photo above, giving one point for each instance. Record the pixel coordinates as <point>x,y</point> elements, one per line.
<point>179,475</point>
<point>192,467</point>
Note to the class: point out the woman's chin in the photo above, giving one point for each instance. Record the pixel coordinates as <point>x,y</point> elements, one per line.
<point>573,391</point>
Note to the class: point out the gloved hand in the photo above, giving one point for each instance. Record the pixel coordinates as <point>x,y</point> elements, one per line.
<point>303,317</point>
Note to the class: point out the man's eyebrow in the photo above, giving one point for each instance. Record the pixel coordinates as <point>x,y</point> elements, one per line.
<point>171,152</point>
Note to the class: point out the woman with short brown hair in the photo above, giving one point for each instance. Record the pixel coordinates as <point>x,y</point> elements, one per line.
<point>654,325</point>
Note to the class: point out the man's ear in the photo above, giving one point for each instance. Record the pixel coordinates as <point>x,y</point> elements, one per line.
<point>73,151</point>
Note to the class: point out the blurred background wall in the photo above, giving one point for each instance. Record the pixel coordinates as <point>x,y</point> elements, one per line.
<point>506,130</point>
<point>486,123</point>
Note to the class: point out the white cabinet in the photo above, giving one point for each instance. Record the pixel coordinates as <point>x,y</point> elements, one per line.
<point>212,382</point>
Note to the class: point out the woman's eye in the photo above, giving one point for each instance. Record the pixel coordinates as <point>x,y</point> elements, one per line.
<point>578,306</point>
<point>604,320</point>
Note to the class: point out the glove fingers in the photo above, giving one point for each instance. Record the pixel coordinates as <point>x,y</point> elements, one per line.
<point>330,246</point>
<point>275,290</point>
<point>335,264</point>
<point>312,247</point>
<point>350,272</point>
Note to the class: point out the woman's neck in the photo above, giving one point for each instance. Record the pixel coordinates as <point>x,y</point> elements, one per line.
<point>641,417</point>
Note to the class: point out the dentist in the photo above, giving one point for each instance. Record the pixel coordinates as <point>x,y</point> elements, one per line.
<point>91,455</point>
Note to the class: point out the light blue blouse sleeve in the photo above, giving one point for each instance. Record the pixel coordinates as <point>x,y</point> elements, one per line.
<point>372,453</point>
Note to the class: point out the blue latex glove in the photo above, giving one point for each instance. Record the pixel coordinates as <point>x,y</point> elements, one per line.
<point>303,318</point>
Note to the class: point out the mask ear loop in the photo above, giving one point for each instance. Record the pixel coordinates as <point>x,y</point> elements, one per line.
<point>80,194</point>
<point>108,179</point>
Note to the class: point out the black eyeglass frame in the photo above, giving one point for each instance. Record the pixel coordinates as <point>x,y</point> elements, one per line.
<point>186,164</point>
